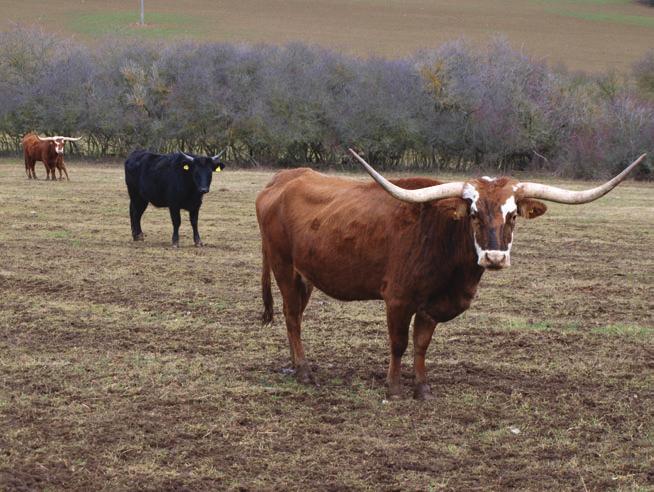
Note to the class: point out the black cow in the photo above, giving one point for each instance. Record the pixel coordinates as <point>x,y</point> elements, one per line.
<point>177,181</point>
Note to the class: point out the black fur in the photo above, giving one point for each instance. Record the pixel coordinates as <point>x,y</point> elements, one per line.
<point>168,180</point>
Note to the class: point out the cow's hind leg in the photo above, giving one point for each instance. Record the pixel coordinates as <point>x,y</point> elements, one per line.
<point>295,293</point>
<point>398,317</point>
<point>423,329</point>
<point>137,207</point>
<point>29,168</point>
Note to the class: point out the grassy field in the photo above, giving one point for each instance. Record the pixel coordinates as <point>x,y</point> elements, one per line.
<point>135,366</point>
<point>591,35</point>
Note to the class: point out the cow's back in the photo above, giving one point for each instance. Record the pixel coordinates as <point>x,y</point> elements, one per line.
<point>330,228</point>
<point>152,177</point>
<point>292,192</point>
<point>134,162</point>
<point>32,146</point>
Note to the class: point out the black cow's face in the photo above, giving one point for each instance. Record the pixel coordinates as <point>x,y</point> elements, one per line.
<point>201,170</point>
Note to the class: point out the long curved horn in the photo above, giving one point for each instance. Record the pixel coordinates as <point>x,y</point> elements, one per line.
<point>71,139</point>
<point>560,195</point>
<point>431,193</point>
<point>187,156</point>
<point>45,139</point>
<point>217,156</point>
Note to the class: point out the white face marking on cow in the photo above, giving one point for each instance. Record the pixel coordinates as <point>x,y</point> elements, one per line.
<point>487,178</point>
<point>471,193</point>
<point>59,145</point>
<point>509,207</point>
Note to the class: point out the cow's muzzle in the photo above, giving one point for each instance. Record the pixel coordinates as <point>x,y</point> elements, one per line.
<point>495,260</point>
<point>203,190</point>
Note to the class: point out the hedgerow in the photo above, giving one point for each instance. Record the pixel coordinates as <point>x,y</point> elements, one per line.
<point>455,107</point>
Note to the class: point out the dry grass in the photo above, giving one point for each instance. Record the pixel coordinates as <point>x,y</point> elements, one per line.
<point>134,366</point>
<point>592,35</point>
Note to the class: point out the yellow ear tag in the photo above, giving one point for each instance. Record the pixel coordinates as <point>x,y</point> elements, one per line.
<point>218,169</point>
<point>185,167</point>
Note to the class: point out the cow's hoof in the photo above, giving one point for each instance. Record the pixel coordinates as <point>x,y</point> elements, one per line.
<point>199,244</point>
<point>423,392</point>
<point>139,237</point>
<point>175,244</point>
<point>303,375</point>
<point>394,392</point>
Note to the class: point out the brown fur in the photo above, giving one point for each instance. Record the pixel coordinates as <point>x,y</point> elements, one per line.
<point>44,151</point>
<point>353,241</point>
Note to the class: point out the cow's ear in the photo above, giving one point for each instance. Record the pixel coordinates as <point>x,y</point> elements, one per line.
<point>530,208</point>
<point>218,166</point>
<point>454,208</point>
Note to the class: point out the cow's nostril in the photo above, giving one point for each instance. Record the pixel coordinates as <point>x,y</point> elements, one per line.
<point>495,258</point>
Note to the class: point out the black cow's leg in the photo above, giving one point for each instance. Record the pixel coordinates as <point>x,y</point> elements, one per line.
<point>398,317</point>
<point>423,329</point>
<point>193,215</point>
<point>177,220</point>
<point>136,209</point>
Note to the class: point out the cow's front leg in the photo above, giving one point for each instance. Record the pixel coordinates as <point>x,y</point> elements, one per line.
<point>423,329</point>
<point>193,215</point>
<point>398,317</point>
<point>177,220</point>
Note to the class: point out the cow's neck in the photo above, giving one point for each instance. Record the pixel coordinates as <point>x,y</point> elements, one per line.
<point>449,270</point>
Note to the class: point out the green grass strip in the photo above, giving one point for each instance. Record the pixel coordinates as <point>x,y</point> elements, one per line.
<point>158,25</point>
<point>632,20</point>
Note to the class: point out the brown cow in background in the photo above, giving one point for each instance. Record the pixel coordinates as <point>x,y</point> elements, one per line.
<point>49,150</point>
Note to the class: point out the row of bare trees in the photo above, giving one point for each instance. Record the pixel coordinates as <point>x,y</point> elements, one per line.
<point>454,107</point>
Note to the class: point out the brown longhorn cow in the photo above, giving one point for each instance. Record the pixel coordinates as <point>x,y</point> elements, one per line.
<point>49,150</point>
<point>416,243</point>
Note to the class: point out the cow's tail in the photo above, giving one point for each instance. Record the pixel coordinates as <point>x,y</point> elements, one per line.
<point>266,292</point>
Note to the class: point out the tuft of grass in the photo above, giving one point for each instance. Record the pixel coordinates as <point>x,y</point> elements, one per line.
<point>59,234</point>
<point>524,324</point>
<point>620,329</point>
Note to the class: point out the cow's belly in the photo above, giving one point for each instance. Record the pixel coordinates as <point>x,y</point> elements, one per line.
<point>341,281</point>
<point>343,265</point>
<point>158,202</point>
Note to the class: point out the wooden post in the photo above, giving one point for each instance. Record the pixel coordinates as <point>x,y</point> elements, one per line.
<point>142,13</point>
